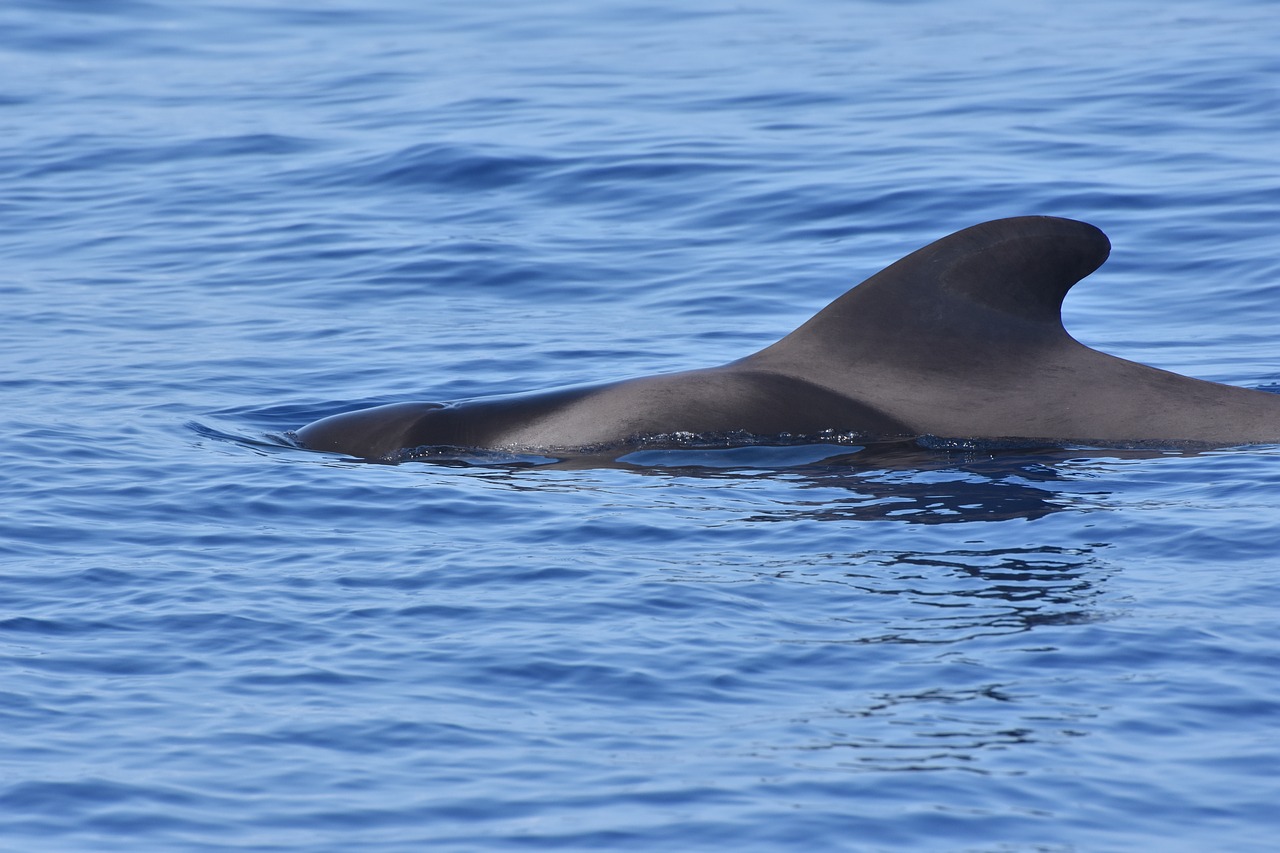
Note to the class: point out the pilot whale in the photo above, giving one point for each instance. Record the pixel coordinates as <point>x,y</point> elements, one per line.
<point>962,339</point>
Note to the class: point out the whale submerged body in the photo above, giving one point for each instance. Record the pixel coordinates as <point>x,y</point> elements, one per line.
<point>962,339</point>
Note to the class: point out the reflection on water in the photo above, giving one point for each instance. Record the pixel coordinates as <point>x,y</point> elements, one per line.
<point>898,482</point>
<point>954,660</point>
<point>957,595</point>
<point>987,729</point>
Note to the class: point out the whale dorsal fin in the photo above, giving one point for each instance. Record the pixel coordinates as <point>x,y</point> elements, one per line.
<point>987,293</point>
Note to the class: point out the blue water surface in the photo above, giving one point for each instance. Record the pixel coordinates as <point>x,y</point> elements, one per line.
<point>222,220</point>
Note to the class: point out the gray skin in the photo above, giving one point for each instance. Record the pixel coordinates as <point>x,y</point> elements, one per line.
<point>962,339</point>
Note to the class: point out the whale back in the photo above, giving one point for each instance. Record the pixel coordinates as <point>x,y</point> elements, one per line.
<point>961,339</point>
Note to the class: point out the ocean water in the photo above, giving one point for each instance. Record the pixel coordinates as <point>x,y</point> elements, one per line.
<point>220,221</point>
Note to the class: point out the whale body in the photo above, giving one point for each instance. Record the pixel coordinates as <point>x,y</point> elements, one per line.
<point>962,339</point>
